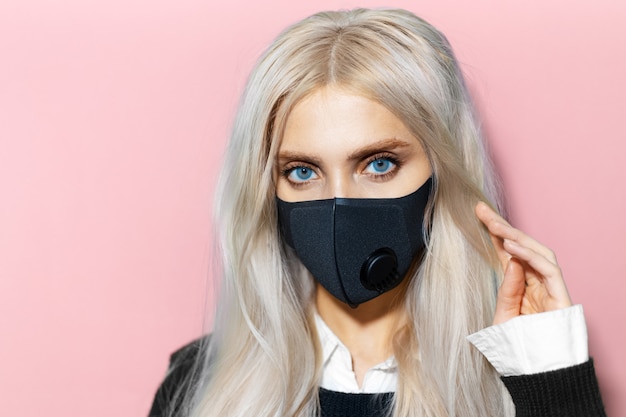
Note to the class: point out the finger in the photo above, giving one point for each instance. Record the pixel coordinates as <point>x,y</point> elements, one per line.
<point>537,261</point>
<point>511,292</point>
<point>486,214</point>
<point>503,255</point>
<point>547,272</point>
<point>499,227</point>
<point>485,218</point>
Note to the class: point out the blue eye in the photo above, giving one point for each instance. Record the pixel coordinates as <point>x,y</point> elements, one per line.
<point>301,174</point>
<point>380,166</point>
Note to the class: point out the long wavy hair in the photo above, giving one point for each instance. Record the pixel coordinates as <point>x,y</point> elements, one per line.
<point>264,358</point>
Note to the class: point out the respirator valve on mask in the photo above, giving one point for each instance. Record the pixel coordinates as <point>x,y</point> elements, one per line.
<point>380,270</point>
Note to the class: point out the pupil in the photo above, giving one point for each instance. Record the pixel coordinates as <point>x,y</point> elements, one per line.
<point>304,173</point>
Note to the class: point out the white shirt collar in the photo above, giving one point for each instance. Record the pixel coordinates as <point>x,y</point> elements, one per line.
<point>337,373</point>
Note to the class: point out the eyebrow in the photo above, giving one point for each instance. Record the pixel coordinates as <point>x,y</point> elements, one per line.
<point>299,156</point>
<point>381,145</point>
<point>365,151</point>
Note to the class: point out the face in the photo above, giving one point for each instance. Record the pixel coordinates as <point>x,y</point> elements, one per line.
<point>338,144</point>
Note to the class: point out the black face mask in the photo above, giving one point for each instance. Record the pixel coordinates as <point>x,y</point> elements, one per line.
<point>357,248</point>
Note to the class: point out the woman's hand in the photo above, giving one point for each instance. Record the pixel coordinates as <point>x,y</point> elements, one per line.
<point>533,282</point>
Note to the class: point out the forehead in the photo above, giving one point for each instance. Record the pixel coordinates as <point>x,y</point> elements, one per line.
<point>333,119</point>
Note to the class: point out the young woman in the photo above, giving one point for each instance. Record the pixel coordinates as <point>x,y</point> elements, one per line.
<point>362,247</point>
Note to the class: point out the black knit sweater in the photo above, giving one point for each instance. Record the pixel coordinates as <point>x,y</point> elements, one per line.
<point>339,404</point>
<point>569,392</point>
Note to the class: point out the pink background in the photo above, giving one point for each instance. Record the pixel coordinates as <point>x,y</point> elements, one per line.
<point>113,119</point>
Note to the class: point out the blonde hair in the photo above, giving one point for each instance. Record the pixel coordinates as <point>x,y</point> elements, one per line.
<point>264,354</point>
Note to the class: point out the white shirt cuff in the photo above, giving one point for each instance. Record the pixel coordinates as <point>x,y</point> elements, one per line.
<point>535,343</point>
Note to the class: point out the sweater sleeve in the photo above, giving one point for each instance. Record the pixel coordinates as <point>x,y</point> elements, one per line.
<point>544,363</point>
<point>178,383</point>
<point>567,392</point>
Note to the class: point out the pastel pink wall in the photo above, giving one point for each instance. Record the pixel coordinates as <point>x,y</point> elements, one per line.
<point>113,118</point>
